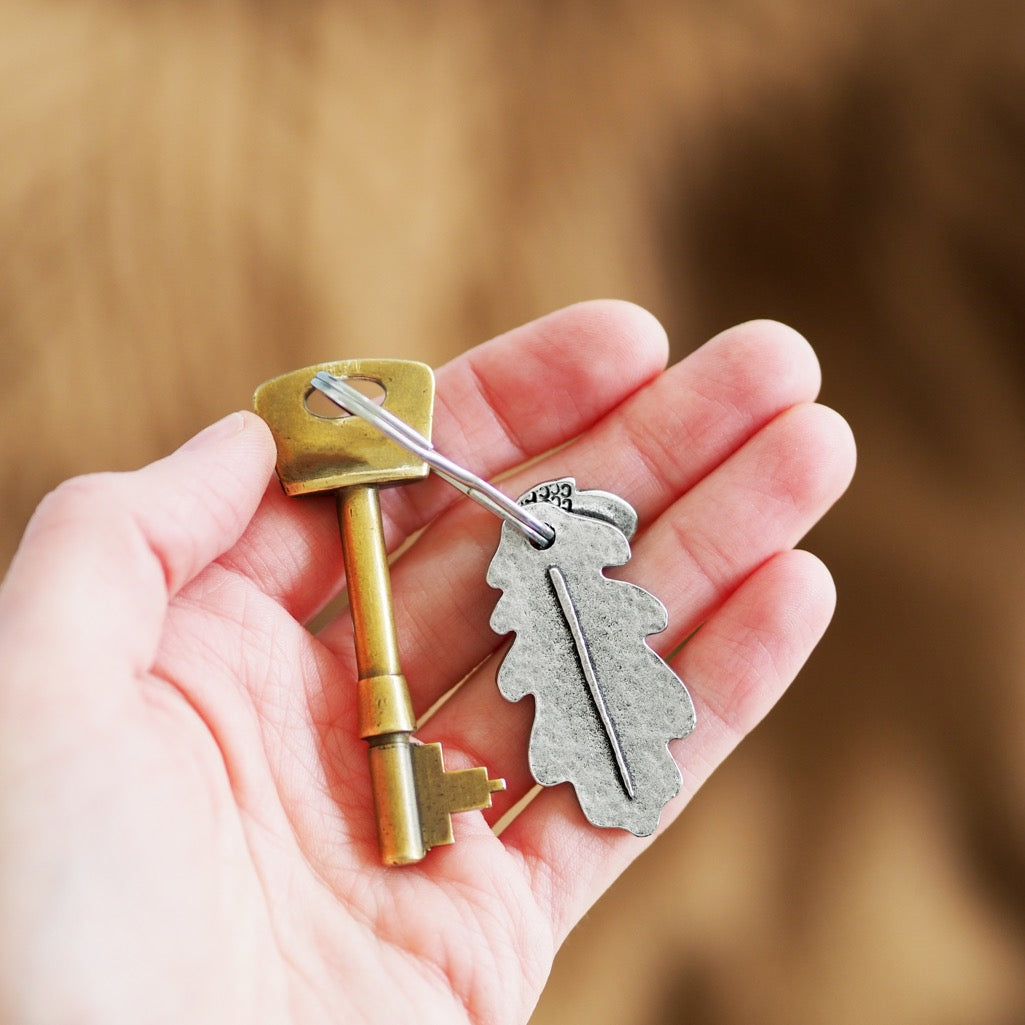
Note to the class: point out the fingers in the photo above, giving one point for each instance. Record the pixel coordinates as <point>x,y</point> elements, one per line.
<point>506,401</point>
<point>661,441</point>
<point>670,435</point>
<point>736,667</point>
<point>103,553</point>
<point>759,502</point>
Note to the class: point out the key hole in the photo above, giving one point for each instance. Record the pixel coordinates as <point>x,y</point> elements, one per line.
<point>323,408</point>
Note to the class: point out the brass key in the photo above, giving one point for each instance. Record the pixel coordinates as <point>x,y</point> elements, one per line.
<point>414,795</point>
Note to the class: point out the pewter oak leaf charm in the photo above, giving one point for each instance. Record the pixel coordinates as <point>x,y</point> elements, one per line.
<point>606,705</point>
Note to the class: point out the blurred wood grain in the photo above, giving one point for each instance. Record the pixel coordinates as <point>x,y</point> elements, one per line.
<point>197,196</point>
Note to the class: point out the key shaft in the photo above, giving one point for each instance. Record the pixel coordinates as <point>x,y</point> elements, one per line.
<point>385,713</point>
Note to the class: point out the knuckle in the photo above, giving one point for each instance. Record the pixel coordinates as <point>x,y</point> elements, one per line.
<point>79,500</point>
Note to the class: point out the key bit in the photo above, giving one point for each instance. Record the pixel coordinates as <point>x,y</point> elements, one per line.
<point>413,793</point>
<point>441,793</point>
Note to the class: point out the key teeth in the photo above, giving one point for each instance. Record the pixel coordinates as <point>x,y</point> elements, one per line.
<point>441,793</point>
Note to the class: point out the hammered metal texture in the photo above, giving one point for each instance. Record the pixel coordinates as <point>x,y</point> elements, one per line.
<point>616,758</point>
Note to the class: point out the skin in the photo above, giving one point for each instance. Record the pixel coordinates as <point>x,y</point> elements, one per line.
<point>185,824</point>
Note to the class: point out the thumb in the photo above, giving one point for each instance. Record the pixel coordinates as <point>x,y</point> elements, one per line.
<point>89,585</point>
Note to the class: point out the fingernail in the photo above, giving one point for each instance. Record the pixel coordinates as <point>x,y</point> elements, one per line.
<point>226,427</point>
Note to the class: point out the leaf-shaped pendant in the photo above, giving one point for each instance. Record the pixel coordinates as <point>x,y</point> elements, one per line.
<point>606,706</point>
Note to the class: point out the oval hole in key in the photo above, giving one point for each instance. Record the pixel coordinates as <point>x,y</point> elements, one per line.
<point>323,408</point>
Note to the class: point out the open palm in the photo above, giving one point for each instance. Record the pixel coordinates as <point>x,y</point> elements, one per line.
<point>186,831</point>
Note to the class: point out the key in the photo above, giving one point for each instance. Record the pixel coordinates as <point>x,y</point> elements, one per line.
<point>606,705</point>
<point>414,795</point>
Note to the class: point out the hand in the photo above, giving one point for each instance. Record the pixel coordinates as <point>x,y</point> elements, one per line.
<point>186,832</point>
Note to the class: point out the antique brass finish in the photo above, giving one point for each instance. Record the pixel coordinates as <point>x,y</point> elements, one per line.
<point>320,454</point>
<point>413,794</point>
<point>385,713</point>
<point>440,792</point>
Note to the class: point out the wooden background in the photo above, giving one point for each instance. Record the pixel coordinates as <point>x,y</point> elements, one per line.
<point>197,196</point>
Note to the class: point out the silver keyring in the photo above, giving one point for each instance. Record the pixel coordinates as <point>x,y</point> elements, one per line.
<point>485,494</point>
